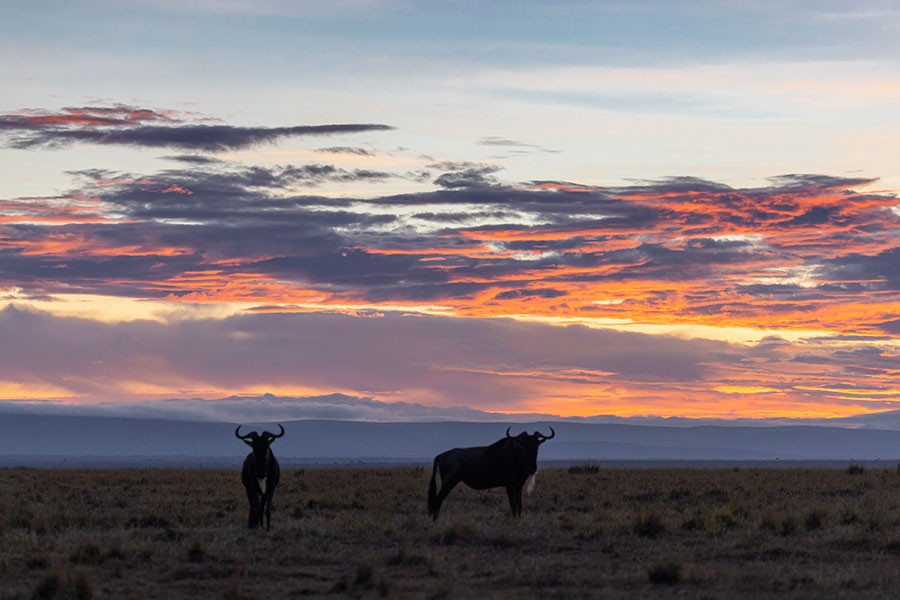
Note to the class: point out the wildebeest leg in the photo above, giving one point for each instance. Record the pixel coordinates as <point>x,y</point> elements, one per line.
<point>447,484</point>
<point>255,519</point>
<point>268,506</point>
<point>518,500</point>
<point>511,494</point>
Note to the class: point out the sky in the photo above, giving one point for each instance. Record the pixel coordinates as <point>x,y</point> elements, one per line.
<point>574,208</point>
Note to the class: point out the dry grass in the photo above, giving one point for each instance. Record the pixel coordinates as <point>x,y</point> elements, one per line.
<point>363,533</point>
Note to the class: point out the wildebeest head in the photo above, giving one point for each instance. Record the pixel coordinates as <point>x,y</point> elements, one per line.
<point>531,444</point>
<point>260,445</point>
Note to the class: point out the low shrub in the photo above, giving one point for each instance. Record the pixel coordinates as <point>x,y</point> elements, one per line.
<point>455,533</point>
<point>667,573</point>
<point>585,469</point>
<point>70,586</point>
<point>648,526</point>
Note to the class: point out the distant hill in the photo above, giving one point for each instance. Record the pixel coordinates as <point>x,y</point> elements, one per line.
<point>159,441</point>
<point>341,407</point>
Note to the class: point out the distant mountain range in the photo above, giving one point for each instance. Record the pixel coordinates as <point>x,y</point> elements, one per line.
<point>236,409</point>
<point>25,437</point>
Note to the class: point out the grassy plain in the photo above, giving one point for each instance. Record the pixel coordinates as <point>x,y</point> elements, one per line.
<point>363,533</point>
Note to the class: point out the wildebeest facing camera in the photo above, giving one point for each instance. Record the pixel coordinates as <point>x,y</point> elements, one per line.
<point>260,475</point>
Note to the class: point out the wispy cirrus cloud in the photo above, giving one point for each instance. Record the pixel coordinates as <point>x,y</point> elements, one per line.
<point>347,150</point>
<point>516,145</point>
<point>135,126</point>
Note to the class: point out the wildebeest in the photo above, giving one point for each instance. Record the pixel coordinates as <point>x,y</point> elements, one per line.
<point>260,475</point>
<point>508,462</point>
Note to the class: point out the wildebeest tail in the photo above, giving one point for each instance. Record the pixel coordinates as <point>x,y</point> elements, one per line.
<point>432,489</point>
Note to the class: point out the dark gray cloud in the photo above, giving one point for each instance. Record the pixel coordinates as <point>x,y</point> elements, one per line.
<point>807,180</point>
<point>135,126</point>
<point>458,165</point>
<point>347,150</point>
<point>535,293</point>
<point>892,327</point>
<point>878,272</point>
<point>472,177</point>
<point>209,138</point>
<point>194,159</point>
<point>462,217</point>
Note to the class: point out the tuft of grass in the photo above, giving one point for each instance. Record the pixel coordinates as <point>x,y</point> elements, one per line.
<point>47,587</point>
<point>722,521</point>
<point>788,527</point>
<point>115,551</point>
<point>405,558</point>
<point>585,469</point>
<point>36,563</point>
<point>234,592</point>
<point>856,470</point>
<point>650,525</point>
<point>666,573</point>
<point>815,519</point>
<point>364,574</point>
<point>86,554</point>
<point>71,586</point>
<point>458,532</point>
<point>196,552</point>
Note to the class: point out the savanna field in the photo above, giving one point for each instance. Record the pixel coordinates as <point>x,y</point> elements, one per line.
<point>586,532</point>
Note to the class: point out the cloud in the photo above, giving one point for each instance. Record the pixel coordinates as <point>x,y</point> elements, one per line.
<point>394,366</point>
<point>892,327</point>
<point>540,293</point>
<point>347,150</point>
<point>483,361</point>
<point>878,272</point>
<point>268,407</point>
<point>470,177</point>
<point>194,159</point>
<point>811,250</point>
<point>134,126</point>
<point>508,143</point>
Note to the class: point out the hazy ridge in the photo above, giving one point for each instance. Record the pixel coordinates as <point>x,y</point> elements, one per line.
<point>24,437</point>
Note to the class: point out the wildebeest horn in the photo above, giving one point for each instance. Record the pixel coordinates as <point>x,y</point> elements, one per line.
<point>507,431</point>
<point>272,436</point>
<point>252,434</point>
<point>544,438</point>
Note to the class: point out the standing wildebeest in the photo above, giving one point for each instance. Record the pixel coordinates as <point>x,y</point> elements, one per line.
<point>508,462</point>
<point>260,475</point>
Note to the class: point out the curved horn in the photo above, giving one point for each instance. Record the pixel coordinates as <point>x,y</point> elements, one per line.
<point>272,436</point>
<point>250,436</point>
<point>547,437</point>
<point>507,431</point>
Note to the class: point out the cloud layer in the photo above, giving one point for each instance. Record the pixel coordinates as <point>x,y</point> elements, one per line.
<point>443,363</point>
<point>807,252</point>
<point>403,296</point>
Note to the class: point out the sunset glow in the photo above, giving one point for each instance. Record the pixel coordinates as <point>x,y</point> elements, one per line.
<point>637,229</point>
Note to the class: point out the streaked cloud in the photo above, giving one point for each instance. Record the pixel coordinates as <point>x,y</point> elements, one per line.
<point>135,126</point>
